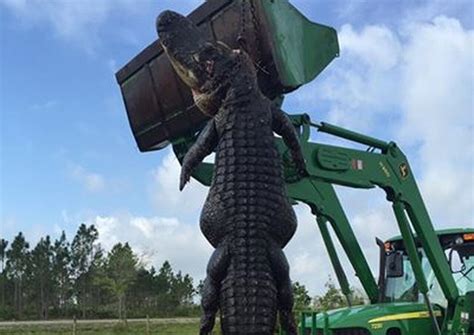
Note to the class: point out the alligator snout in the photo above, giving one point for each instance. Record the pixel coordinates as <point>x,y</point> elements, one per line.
<point>175,30</point>
<point>183,42</point>
<point>204,65</point>
<point>167,18</point>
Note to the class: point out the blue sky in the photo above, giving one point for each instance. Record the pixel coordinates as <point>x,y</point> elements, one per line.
<point>68,156</point>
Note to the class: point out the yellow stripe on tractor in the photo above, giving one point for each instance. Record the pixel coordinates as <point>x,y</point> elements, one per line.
<point>404,316</point>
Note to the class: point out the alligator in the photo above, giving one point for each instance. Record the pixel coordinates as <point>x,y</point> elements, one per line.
<point>247,216</point>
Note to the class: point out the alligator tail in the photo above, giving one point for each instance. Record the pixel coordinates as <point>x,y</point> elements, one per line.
<point>248,293</point>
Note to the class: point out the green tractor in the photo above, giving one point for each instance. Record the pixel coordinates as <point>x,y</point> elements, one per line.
<point>402,308</point>
<point>426,278</point>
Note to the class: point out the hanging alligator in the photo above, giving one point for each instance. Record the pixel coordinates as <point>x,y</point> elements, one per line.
<point>247,216</point>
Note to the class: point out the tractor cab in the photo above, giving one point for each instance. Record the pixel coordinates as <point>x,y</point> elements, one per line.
<point>399,284</point>
<point>401,309</point>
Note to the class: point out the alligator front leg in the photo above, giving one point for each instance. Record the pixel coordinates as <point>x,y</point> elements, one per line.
<point>216,271</point>
<point>282,125</point>
<point>204,145</point>
<point>281,271</point>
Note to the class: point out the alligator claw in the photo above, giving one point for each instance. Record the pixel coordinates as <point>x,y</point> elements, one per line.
<point>184,179</point>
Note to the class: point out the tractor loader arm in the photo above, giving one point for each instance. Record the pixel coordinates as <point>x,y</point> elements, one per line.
<point>385,166</point>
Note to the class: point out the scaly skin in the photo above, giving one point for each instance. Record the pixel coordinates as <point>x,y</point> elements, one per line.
<point>247,216</point>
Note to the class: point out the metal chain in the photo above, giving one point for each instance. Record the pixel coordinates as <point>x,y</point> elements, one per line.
<point>241,40</point>
<point>257,31</point>
<point>258,41</point>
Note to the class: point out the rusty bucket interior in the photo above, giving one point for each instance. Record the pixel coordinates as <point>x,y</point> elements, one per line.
<point>288,51</point>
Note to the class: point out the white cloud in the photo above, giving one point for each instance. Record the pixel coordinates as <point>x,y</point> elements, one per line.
<point>376,47</point>
<point>83,22</point>
<point>156,239</point>
<point>79,22</point>
<point>76,21</point>
<point>438,114</point>
<point>92,182</point>
<point>165,194</point>
<point>429,10</point>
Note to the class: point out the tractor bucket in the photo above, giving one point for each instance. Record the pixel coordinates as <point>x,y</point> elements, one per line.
<point>287,48</point>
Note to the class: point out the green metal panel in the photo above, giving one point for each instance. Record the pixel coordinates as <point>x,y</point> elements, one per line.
<point>301,48</point>
<point>440,232</point>
<point>412,251</point>
<point>410,318</point>
<point>336,263</point>
<point>409,242</point>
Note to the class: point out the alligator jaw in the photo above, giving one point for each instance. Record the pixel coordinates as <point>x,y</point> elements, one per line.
<point>184,44</point>
<point>206,67</point>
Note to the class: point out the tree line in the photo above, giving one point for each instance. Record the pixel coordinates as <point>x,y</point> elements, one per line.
<point>62,279</point>
<point>332,298</point>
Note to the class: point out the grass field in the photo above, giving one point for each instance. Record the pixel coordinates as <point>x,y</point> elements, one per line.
<point>109,327</point>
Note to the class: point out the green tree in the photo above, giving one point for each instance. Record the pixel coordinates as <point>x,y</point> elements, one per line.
<point>121,271</point>
<point>3,249</point>
<point>200,287</point>
<point>334,298</point>
<point>62,273</point>
<point>164,278</point>
<point>18,258</point>
<point>301,296</point>
<point>163,288</point>
<point>358,297</point>
<point>174,292</point>
<point>53,277</point>
<point>141,296</point>
<point>182,289</point>
<point>42,276</point>
<point>84,254</point>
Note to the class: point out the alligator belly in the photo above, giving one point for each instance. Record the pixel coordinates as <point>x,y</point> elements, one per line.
<point>255,207</point>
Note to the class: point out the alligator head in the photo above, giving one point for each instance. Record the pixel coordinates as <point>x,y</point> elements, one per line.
<point>208,68</point>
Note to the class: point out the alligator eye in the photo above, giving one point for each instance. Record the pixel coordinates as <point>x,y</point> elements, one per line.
<point>196,58</point>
